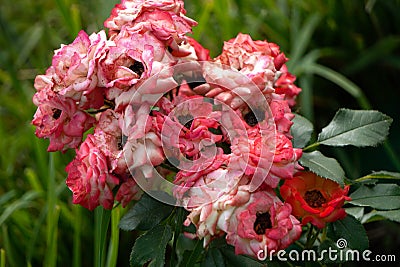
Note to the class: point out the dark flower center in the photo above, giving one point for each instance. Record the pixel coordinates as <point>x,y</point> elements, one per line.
<point>121,141</point>
<point>196,81</point>
<point>186,120</point>
<point>262,223</point>
<point>137,68</point>
<point>56,113</point>
<point>314,198</point>
<point>252,118</point>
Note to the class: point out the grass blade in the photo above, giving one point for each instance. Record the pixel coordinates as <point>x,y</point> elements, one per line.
<point>53,213</point>
<point>340,80</point>
<point>24,202</point>
<point>114,241</point>
<point>77,224</point>
<point>101,222</point>
<point>301,39</point>
<point>2,258</point>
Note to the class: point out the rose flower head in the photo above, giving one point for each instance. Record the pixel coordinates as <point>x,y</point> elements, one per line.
<point>315,199</point>
<point>264,221</point>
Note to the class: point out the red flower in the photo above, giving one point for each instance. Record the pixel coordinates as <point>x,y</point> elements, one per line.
<point>315,199</point>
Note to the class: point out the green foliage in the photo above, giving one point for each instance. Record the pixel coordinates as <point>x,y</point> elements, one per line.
<point>301,131</point>
<point>380,196</point>
<point>356,127</point>
<point>213,257</point>
<point>323,166</point>
<point>145,214</point>
<point>376,215</point>
<point>150,247</point>
<point>351,230</point>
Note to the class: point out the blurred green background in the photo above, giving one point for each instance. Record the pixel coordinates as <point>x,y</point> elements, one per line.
<point>345,54</point>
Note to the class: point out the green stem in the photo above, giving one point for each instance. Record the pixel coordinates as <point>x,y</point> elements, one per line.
<point>311,237</point>
<point>101,221</point>
<point>178,218</point>
<point>311,147</point>
<point>53,212</point>
<point>369,177</point>
<point>324,233</point>
<point>114,242</point>
<point>2,258</point>
<point>77,257</point>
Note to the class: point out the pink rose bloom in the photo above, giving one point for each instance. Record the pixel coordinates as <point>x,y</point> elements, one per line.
<point>253,153</point>
<point>263,63</point>
<point>186,179</point>
<point>282,115</point>
<point>128,191</point>
<point>111,141</point>
<point>165,19</point>
<point>264,221</point>
<point>128,10</point>
<point>255,59</point>
<point>284,85</point>
<point>285,163</point>
<point>143,154</point>
<point>150,90</point>
<point>202,54</point>
<point>212,201</point>
<point>89,177</point>
<point>187,128</point>
<point>73,70</point>
<point>135,120</point>
<point>129,60</point>
<point>191,143</point>
<point>58,119</point>
<point>141,146</point>
<point>231,87</point>
<point>244,46</point>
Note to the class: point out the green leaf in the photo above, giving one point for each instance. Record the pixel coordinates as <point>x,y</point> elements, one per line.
<point>323,166</point>
<point>356,127</point>
<point>150,247</point>
<point>190,258</point>
<point>301,131</point>
<point>147,213</point>
<point>376,215</point>
<point>332,257</point>
<point>351,230</point>
<point>380,196</point>
<point>356,212</point>
<point>239,260</point>
<point>213,258</point>
<point>183,244</point>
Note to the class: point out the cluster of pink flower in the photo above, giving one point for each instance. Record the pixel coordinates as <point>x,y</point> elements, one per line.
<point>225,147</point>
